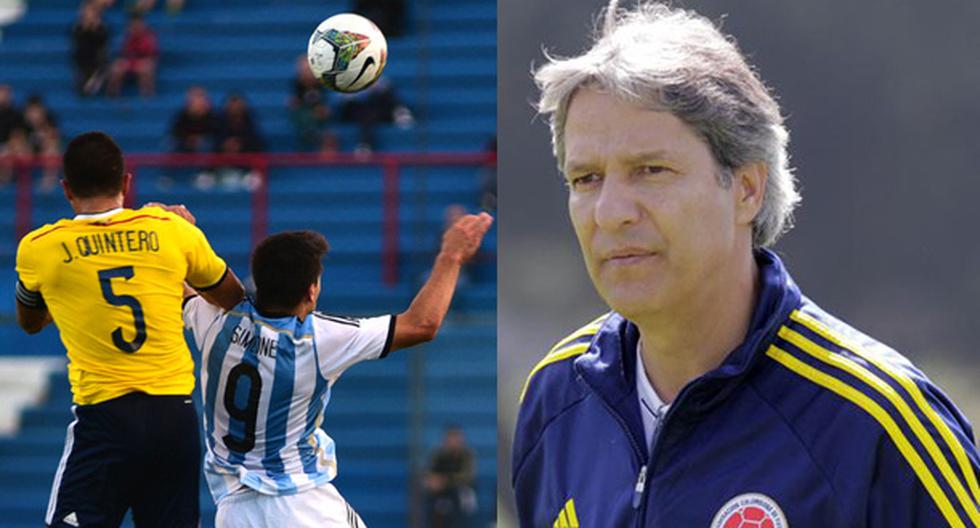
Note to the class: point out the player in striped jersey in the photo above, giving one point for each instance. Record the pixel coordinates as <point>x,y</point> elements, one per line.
<point>268,367</point>
<point>112,279</point>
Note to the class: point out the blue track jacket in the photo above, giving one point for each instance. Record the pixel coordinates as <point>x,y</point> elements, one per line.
<point>808,423</point>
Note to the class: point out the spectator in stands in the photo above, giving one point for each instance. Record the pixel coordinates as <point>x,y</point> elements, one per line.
<point>44,138</point>
<point>194,126</point>
<point>38,118</point>
<point>389,15</point>
<point>193,129</point>
<point>17,148</point>
<point>49,148</point>
<point>90,49</point>
<point>309,110</point>
<point>10,116</point>
<point>139,57</point>
<point>237,133</point>
<point>375,105</point>
<point>449,481</point>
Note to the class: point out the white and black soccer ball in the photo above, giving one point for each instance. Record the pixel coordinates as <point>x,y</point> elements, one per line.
<point>347,52</point>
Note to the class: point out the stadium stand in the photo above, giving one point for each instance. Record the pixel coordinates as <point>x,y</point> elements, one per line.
<point>385,416</point>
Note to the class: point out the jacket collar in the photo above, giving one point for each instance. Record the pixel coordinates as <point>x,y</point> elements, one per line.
<point>609,366</point>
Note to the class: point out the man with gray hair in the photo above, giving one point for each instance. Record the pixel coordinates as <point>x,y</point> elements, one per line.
<point>714,394</point>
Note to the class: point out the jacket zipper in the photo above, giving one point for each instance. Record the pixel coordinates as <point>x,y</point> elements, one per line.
<point>641,480</point>
<point>640,490</point>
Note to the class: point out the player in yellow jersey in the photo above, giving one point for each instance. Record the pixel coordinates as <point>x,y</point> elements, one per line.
<point>111,279</point>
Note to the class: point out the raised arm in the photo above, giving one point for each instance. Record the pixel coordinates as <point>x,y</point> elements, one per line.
<point>421,321</point>
<point>226,294</point>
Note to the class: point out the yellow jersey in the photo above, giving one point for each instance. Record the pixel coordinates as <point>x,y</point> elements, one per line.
<point>113,283</point>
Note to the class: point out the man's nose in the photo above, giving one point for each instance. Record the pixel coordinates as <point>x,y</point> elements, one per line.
<point>617,205</point>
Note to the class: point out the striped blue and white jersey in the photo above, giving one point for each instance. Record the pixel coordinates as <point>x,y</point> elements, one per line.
<point>266,383</point>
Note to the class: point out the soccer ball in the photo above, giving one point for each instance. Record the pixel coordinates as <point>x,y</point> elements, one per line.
<point>347,52</point>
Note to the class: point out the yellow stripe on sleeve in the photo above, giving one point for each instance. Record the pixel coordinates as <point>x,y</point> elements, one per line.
<point>913,390</point>
<point>882,417</point>
<point>588,329</point>
<point>892,395</point>
<point>562,351</point>
<point>558,355</point>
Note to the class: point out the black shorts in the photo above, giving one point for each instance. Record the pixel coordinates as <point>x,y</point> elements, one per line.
<point>136,451</point>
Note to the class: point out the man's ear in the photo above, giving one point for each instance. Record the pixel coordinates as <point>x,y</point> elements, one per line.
<point>749,182</point>
<point>312,292</point>
<point>127,183</point>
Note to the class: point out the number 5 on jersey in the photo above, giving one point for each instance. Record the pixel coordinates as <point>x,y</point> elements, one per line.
<point>105,279</point>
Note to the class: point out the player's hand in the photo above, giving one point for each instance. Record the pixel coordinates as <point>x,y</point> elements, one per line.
<point>463,238</point>
<point>178,210</point>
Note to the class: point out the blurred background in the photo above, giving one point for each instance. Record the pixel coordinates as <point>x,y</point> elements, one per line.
<point>379,173</point>
<point>881,104</point>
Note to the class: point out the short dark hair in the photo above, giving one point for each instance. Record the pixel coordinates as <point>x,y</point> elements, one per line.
<point>94,165</point>
<point>284,266</point>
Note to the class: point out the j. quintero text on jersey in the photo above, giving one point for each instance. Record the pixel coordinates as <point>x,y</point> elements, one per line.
<point>128,241</point>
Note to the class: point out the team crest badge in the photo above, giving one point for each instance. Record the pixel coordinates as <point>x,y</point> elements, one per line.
<point>750,510</point>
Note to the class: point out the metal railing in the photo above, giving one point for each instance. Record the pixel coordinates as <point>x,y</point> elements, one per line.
<point>391,165</point>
